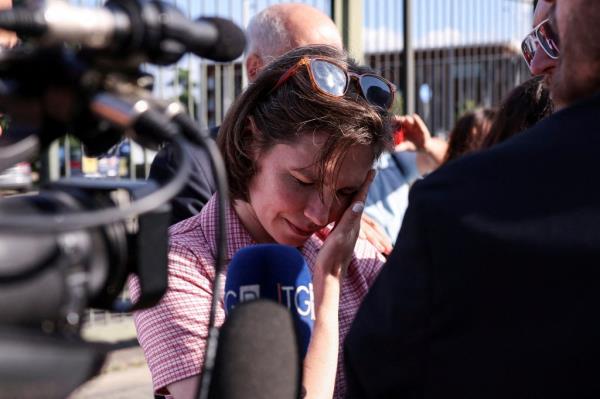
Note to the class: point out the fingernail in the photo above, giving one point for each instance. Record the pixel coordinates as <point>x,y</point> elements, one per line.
<point>358,207</point>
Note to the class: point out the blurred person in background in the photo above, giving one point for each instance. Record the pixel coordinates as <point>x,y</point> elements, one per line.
<point>539,47</point>
<point>415,153</point>
<point>280,28</point>
<point>531,101</point>
<point>7,40</point>
<point>469,131</point>
<point>18,177</point>
<point>493,287</point>
<point>524,106</point>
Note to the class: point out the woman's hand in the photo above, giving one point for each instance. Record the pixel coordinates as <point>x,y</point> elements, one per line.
<point>336,253</point>
<point>320,363</point>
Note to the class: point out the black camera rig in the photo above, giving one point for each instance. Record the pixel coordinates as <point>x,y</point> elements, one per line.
<point>74,244</point>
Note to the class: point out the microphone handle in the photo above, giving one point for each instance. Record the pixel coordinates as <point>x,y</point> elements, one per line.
<point>62,22</point>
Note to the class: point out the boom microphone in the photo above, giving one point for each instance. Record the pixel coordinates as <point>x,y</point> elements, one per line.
<point>276,272</point>
<point>157,30</point>
<point>257,356</point>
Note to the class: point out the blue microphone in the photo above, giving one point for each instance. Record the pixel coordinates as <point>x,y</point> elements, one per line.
<point>275,272</point>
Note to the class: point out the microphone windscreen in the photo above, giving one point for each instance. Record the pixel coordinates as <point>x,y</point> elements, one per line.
<point>275,272</point>
<point>257,356</point>
<point>230,43</point>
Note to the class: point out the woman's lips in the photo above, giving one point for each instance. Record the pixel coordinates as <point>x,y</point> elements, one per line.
<point>298,230</point>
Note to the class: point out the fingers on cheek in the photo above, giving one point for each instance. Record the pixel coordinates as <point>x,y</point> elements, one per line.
<point>338,211</point>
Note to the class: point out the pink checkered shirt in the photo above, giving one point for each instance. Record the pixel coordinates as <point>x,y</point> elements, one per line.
<point>173,333</point>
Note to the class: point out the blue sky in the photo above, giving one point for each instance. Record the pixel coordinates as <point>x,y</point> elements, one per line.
<point>447,22</point>
<point>436,22</point>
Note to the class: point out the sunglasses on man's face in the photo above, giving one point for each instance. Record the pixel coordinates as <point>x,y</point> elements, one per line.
<point>332,79</point>
<point>544,36</point>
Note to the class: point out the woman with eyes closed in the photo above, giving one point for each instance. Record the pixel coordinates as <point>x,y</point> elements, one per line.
<point>298,145</point>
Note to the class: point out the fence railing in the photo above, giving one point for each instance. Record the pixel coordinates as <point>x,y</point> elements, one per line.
<point>466,55</point>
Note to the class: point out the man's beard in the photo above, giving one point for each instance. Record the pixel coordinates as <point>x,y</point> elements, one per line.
<point>548,80</point>
<point>577,75</point>
<point>571,84</point>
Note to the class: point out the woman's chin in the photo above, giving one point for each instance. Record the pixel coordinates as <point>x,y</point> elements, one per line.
<point>291,240</point>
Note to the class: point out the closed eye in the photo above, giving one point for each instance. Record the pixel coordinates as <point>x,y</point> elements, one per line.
<point>303,183</point>
<point>347,192</point>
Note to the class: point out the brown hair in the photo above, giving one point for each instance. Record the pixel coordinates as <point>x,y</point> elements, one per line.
<point>469,132</point>
<point>295,109</point>
<point>525,106</point>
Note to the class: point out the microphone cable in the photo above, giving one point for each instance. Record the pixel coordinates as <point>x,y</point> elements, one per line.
<point>194,134</point>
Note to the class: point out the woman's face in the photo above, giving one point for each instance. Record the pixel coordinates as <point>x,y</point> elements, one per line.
<point>285,201</point>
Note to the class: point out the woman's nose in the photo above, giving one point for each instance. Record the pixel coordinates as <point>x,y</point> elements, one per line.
<point>318,208</point>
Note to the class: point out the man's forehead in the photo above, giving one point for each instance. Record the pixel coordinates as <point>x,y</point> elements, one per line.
<point>315,32</point>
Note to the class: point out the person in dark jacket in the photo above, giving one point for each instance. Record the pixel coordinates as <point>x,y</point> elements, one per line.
<point>493,288</point>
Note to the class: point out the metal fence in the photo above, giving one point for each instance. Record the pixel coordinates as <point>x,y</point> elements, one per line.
<point>466,55</point>
<point>466,52</point>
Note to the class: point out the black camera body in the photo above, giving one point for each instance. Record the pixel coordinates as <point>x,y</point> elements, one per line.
<point>74,245</point>
<point>48,280</point>
<point>51,286</point>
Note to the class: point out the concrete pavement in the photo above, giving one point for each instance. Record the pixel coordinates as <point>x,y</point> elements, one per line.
<point>124,376</point>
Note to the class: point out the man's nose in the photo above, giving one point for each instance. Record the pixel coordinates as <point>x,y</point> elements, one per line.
<point>541,64</point>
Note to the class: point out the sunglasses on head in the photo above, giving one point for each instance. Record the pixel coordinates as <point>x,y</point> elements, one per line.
<point>544,36</point>
<point>332,79</point>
